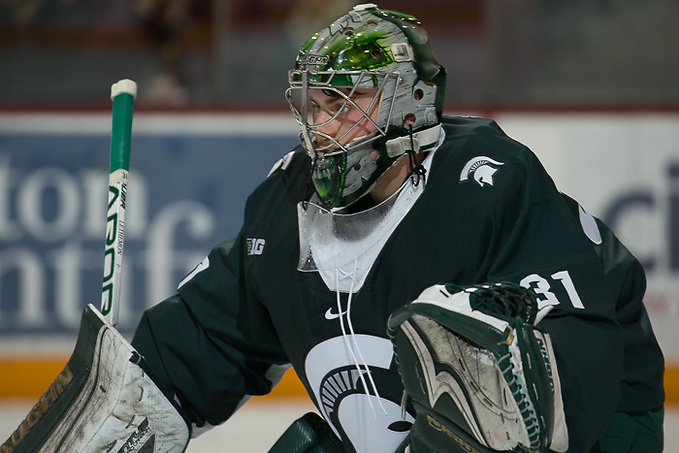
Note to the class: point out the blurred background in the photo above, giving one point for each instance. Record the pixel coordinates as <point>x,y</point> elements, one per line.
<point>591,86</point>
<point>574,53</point>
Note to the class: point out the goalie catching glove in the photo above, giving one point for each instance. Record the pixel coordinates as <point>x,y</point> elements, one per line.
<point>480,375</point>
<point>101,402</point>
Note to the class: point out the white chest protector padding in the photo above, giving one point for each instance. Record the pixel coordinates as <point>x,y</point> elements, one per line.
<point>101,401</point>
<point>342,248</point>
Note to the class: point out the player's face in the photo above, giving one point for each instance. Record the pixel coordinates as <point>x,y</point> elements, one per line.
<point>344,121</point>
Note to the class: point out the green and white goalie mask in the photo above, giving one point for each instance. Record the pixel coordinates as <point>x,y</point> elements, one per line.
<point>369,81</point>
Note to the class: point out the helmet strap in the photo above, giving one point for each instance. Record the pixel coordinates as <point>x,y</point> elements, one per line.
<point>417,170</point>
<point>415,142</point>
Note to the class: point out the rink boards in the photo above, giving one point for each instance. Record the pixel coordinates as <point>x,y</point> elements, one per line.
<point>190,175</point>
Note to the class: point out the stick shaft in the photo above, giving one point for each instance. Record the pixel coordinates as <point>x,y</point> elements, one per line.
<point>122,95</point>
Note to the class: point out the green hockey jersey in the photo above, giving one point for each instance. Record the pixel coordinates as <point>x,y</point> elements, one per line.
<point>487,211</point>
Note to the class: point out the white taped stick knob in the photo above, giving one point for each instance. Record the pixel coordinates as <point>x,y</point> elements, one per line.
<point>365,6</point>
<point>125,86</point>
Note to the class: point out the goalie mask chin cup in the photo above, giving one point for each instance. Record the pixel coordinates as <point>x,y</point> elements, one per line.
<point>382,52</point>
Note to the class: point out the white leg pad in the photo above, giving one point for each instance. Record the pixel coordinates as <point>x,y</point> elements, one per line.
<point>111,405</point>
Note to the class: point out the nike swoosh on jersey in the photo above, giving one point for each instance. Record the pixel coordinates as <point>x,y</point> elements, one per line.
<point>329,315</point>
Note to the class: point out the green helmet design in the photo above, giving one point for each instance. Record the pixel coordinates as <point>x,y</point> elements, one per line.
<point>385,51</point>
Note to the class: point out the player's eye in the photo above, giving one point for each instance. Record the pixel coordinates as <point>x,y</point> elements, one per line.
<point>342,109</point>
<point>333,109</point>
<point>314,109</point>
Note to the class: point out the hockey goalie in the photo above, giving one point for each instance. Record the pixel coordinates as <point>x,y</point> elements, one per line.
<point>403,262</point>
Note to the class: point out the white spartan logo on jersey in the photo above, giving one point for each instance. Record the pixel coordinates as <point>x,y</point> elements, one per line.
<point>481,169</point>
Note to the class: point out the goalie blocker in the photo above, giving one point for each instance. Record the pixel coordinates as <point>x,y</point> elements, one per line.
<point>480,375</point>
<point>101,401</point>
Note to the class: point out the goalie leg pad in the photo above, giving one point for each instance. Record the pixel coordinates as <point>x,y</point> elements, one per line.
<point>475,370</point>
<point>101,401</point>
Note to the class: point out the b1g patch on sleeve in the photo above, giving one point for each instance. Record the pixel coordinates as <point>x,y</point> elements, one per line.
<point>255,246</point>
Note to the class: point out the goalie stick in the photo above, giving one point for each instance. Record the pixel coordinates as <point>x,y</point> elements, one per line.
<point>103,400</point>
<point>122,95</point>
